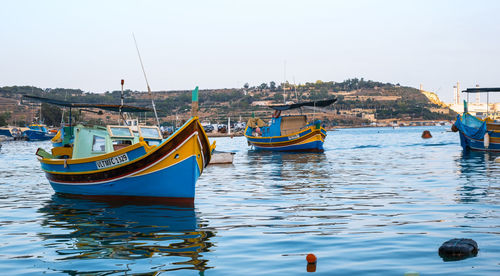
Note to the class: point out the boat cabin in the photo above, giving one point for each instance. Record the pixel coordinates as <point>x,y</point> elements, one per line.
<point>38,127</point>
<point>281,126</point>
<point>97,140</point>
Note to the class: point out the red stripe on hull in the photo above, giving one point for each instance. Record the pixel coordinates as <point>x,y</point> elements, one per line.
<point>115,200</point>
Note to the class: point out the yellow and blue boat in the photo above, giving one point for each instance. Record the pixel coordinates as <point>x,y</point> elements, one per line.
<point>288,133</point>
<point>476,133</point>
<point>117,163</point>
<point>38,132</point>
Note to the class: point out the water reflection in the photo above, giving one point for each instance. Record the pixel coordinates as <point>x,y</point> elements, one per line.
<point>285,165</point>
<point>98,230</point>
<point>479,171</point>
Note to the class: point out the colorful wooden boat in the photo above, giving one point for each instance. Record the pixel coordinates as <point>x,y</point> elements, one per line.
<point>114,162</point>
<point>476,133</point>
<point>38,132</point>
<point>12,132</point>
<point>288,133</point>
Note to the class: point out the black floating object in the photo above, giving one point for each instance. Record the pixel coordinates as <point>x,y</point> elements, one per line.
<point>458,249</point>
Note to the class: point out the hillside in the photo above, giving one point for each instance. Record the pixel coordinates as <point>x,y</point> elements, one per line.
<point>359,102</point>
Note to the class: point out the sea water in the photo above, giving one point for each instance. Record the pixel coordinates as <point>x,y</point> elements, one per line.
<point>378,201</point>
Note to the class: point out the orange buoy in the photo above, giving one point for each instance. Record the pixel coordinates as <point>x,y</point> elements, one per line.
<point>311,259</point>
<point>426,134</point>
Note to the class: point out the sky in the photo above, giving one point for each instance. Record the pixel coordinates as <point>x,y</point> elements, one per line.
<point>89,45</point>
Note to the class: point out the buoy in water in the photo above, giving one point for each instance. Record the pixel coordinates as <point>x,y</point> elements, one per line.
<point>426,134</point>
<point>486,140</point>
<point>454,128</point>
<point>458,249</point>
<point>311,262</point>
<point>311,259</point>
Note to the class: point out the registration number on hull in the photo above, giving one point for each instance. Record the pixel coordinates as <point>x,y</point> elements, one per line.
<point>296,136</point>
<point>111,162</point>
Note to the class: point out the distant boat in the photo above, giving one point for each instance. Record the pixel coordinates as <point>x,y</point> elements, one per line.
<point>12,132</point>
<point>288,133</point>
<point>113,162</point>
<point>38,132</point>
<point>476,133</point>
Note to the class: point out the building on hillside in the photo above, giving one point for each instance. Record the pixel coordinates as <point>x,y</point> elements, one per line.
<point>475,108</point>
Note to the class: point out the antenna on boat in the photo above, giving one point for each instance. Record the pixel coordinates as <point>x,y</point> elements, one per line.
<point>121,106</point>
<point>147,83</point>
<point>296,95</point>
<point>284,81</point>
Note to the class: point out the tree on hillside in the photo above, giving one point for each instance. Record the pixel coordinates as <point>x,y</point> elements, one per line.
<point>4,117</point>
<point>272,86</point>
<point>51,114</point>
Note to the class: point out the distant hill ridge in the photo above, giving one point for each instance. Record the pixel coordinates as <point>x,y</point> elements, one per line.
<point>360,101</point>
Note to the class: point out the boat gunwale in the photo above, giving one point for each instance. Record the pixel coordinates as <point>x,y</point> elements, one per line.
<point>149,150</point>
<point>311,127</point>
<point>52,176</point>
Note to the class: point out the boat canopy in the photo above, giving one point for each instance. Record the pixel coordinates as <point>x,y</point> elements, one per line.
<point>256,122</point>
<point>481,90</point>
<point>321,103</point>
<point>108,107</point>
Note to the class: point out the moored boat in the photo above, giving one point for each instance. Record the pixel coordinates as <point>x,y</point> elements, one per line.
<point>114,162</point>
<point>478,133</point>
<point>288,133</point>
<point>14,133</point>
<point>38,132</point>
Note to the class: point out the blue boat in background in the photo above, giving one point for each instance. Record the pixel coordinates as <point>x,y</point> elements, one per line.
<point>14,133</point>
<point>476,133</point>
<point>38,132</point>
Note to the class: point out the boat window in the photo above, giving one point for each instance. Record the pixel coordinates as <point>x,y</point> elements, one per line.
<point>150,132</point>
<point>99,144</point>
<point>153,142</point>
<point>119,144</point>
<point>120,131</point>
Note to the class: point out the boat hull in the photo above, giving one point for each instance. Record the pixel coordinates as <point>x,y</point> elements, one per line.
<point>169,170</point>
<point>310,139</point>
<point>472,134</point>
<point>177,181</point>
<point>36,135</point>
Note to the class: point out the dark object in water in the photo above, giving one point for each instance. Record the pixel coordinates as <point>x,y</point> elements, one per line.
<point>454,128</point>
<point>426,134</point>
<point>458,249</point>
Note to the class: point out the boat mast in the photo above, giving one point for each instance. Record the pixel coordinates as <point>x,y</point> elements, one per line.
<point>284,81</point>
<point>147,83</point>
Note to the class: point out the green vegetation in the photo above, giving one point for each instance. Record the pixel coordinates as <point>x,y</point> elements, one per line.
<point>385,100</point>
<point>4,117</point>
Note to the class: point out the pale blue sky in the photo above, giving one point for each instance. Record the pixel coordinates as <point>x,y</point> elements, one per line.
<point>217,44</point>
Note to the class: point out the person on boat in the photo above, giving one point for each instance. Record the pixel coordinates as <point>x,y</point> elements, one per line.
<point>257,132</point>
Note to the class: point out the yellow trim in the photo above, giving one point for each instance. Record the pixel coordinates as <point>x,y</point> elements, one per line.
<point>57,138</point>
<point>184,152</point>
<point>298,132</point>
<point>274,137</point>
<point>95,158</point>
<point>112,136</point>
<point>315,137</point>
<point>149,150</point>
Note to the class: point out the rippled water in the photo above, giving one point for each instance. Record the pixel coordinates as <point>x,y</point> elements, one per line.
<point>379,201</point>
